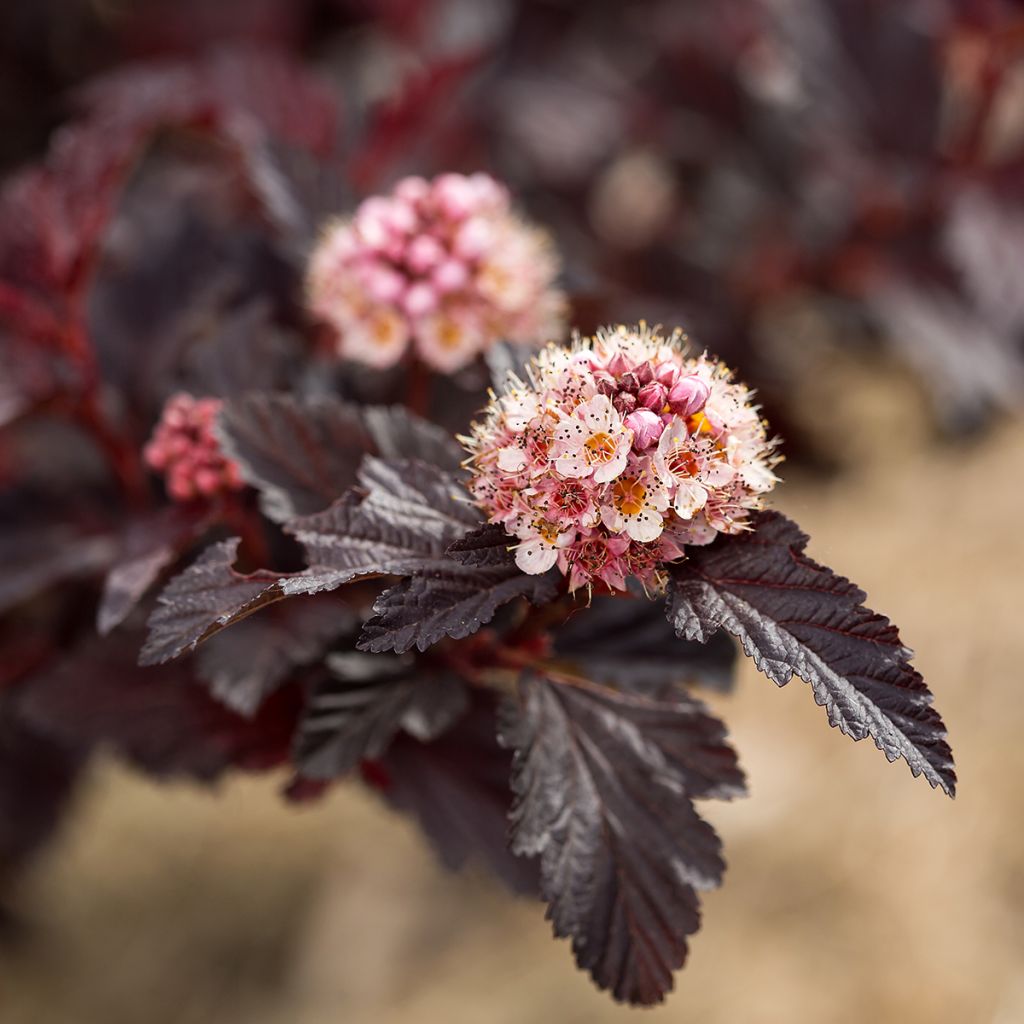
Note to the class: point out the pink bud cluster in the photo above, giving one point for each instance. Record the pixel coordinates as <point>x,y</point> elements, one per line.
<point>618,452</point>
<point>443,265</point>
<point>186,451</point>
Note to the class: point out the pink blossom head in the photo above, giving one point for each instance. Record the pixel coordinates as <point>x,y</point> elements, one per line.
<point>616,453</point>
<point>443,267</point>
<point>185,450</point>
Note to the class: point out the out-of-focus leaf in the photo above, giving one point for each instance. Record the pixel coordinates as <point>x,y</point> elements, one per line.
<point>37,781</point>
<point>969,366</point>
<point>630,644</point>
<point>148,547</point>
<point>158,719</point>
<point>457,789</point>
<point>244,353</point>
<point>985,241</point>
<point>241,666</point>
<point>357,712</point>
<point>794,616</point>
<point>35,559</point>
<point>603,783</point>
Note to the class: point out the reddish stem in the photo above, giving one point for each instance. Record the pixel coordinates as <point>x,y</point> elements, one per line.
<point>418,387</point>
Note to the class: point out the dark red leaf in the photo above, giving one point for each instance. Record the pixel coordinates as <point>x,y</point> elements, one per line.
<point>241,666</point>
<point>603,783</point>
<point>356,713</point>
<point>159,719</point>
<point>794,616</point>
<point>457,789</point>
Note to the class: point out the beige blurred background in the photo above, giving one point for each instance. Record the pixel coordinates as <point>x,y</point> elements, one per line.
<point>855,893</point>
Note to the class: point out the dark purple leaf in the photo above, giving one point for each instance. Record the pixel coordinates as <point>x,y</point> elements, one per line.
<point>970,365</point>
<point>401,435</point>
<point>628,643</point>
<point>148,547</point>
<point>301,454</point>
<point>457,789</point>
<point>454,602</point>
<point>243,352</point>
<point>158,719</point>
<point>603,783</point>
<point>410,515</point>
<point>35,559</point>
<point>355,714</point>
<point>207,596</point>
<point>37,780</point>
<point>304,453</point>
<point>243,665</point>
<point>401,521</point>
<point>486,547</point>
<point>794,616</point>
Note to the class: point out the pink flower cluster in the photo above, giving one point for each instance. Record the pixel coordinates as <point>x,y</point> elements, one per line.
<point>186,451</point>
<point>443,265</point>
<point>616,453</point>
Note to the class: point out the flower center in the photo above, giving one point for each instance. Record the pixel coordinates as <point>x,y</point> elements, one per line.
<point>383,331</point>
<point>570,498</point>
<point>682,463</point>
<point>450,335</point>
<point>601,447</point>
<point>630,496</point>
<point>547,530</point>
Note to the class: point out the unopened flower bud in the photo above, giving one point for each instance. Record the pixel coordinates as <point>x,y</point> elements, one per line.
<point>473,239</point>
<point>653,396</point>
<point>667,374</point>
<point>185,449</point>
<point>424,253</point>
<point>455,195</point>
<point>413,190</point>
<point>618,365</point>
<point>420,299</point>
<point>383,284</point>
<point>646,427</point>
<point>629,382</point>
<point>624,402</point>
<point>450,276</point>
<point>688,395</point>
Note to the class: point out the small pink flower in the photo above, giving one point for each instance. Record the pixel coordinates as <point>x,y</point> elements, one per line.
<point>593,441</point>
<point>635,503</point>
<point>690,465</point>
<point>653,396</point>
<point>539,549</point>
<point>436,256</point>
<point>185,449</point>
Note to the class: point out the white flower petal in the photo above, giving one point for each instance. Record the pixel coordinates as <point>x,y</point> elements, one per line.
<point>599,414</point>
<point>573,464</point>
<point>511,459</point>
<point>610,470</point>
<point>645,526</point>
<point>690,498</point>
<point>536,556</point>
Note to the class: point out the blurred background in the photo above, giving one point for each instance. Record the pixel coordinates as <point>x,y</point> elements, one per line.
<point>829,193</point>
